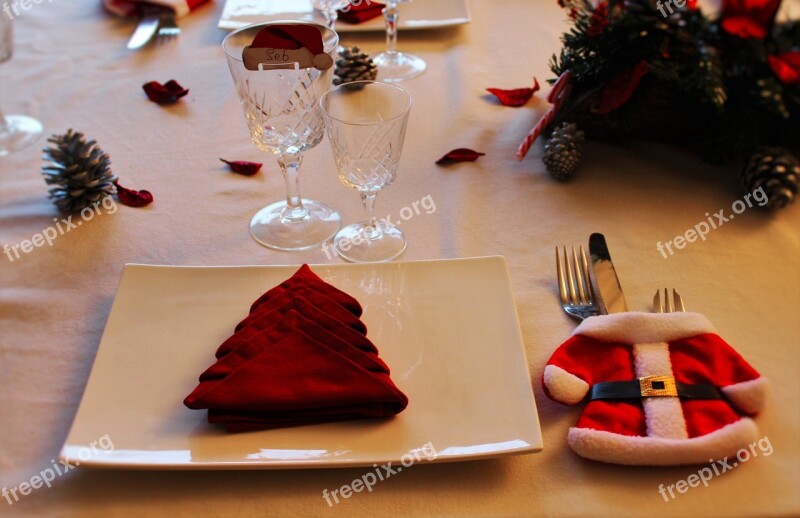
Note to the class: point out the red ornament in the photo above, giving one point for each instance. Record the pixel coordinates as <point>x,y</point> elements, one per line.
<point>599,20</point>
<point>620,89</point>
<point>133,198</point>
<point>242,167</point>
<point>786,66</point>
<point>461,154</point>
<point>748,18</point>
<point>515,97</point>
<point>166,93</point>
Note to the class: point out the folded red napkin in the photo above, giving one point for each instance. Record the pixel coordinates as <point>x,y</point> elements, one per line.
<point>301,315</point>
<point>305,278</point>
<point>297,359</point>
<point>263,313</point>
<point>361,12</point>
<point>133,7</point>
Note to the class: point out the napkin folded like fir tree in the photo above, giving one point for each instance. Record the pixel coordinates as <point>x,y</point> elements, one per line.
<point>300,357</point>
<point>360,12</point>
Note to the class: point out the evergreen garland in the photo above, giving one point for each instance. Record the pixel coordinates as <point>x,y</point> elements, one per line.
<point>703,86</point>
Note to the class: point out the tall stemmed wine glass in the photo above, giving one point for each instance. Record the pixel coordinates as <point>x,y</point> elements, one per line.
<point>281,107</point>
<point>366,125</point>
<point>393,65</point>
<point>16,131</point>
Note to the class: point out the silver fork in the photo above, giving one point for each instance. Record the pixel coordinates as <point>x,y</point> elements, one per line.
<point>669,306</point>
<point>168,28</point>
<point>574,286</point>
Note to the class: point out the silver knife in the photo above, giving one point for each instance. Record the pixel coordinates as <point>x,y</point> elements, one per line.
<point>145,31</point>
<point>605,277</point>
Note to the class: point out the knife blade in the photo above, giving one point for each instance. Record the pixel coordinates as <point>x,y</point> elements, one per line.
<point>144,31</point>
<point>605,278</point>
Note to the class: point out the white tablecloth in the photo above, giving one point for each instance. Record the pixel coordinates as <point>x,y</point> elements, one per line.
<point>72,70</point>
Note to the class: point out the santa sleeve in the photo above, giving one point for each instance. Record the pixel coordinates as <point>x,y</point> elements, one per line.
<point>566,376</point>
<point>741,384</point>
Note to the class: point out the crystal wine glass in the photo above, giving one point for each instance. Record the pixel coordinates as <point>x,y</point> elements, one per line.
<point>16,131</point>
<point>329,9</point>
<point>281,107</point>
<point>393,65</point>
<point>366,125</point>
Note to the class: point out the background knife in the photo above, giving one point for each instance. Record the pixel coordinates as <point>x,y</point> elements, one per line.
<point>607,286</point>
<point>144,31</point>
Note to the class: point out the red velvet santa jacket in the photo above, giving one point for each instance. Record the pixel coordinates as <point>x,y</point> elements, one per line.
<point>655,430</point>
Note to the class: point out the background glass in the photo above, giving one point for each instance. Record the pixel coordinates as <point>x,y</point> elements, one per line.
<point>328,8</point>
<point>393,65</point>
<point>281,107</point>
<point>366,124</point>
<point>16,131</point>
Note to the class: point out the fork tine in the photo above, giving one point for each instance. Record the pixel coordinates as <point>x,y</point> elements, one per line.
<point>579,274</point>
<point>573,297</point>
<point>668,308</point>
<point>678,301</point>
<point>562,286</point>
<point>587,281</point>
<point>657,308</point>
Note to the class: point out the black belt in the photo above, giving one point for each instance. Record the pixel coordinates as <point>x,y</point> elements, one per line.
<point>653,386</point>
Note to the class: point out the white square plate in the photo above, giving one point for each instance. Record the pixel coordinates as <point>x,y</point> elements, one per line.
<point>420,14</point>
<point>448,330</point>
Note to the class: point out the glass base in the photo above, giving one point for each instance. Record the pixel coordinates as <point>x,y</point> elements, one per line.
<point>394,67</point>
<point>22,132</point>
<point>272,230</point>
<point>354,244</point>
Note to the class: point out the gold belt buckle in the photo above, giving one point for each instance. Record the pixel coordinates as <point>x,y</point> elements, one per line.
<point>658,386</point>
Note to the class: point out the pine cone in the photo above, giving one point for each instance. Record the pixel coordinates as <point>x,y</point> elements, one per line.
<point>80,170</point>
<point>354,65</point>
<point>563,150</point>
<point>775,170</point>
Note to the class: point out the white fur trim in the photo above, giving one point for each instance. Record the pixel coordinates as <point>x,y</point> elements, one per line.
<point>652,360</point>
<point>563,386</point>
<point>655,451</point>
<point>636,328</point>
<point>748,396</point>
<point>663,415</point>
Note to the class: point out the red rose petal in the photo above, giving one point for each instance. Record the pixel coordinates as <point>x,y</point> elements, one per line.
<point>242,167</point>
<point>748,18</point>
<point>786,66</point>
<point>515,97</point>
<point>166,93</point>
<point>461,154</point>
<point>621,88</point>
<point>133,198</point>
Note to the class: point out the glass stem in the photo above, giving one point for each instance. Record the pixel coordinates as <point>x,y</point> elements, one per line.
<point>4,127</point>
<point>371,230</point>
<point>391,14</point>
<point>290,167</point>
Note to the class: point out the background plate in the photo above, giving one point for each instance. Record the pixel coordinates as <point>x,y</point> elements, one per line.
<point>448,330</point>
<point>420,14</point>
